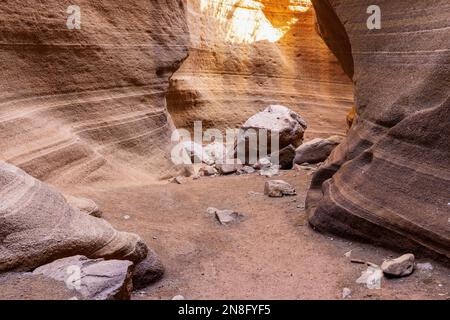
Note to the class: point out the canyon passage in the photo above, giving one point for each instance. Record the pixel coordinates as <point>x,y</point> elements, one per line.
<point>353,203</point>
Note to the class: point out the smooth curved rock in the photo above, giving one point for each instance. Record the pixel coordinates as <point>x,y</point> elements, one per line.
<point>86,206</point>
<point>388,182</point>
<point>37,226</point>
<point>147,271</point>
<point>316,150</point>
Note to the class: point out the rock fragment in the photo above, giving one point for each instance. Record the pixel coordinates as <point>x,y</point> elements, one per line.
<point>399,267</point>
<point>97,279</point>
<point>278,189</point>
<point>147,271</point>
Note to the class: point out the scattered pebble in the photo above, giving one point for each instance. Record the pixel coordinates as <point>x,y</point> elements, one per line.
<point>348,254</point>
<point>178,297</point>
<point>126,217</point>
<point>371,277</point>
<point>426,266</point>
<point>346,293</point>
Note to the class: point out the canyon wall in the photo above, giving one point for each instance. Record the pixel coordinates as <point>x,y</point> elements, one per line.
<point>88,105</point>
<point>389,182</point>
<point>246,55</point>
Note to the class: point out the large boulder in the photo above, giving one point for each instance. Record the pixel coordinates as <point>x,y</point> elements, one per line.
<point>389,181</point>
<point>92,279</point>
<point>38,226</point>
<point>275,120</point>
<point>316,150</point>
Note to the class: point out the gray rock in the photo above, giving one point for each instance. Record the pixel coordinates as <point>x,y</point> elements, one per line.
<point>281,119</point>
<point>278,188</point>
<point>226,217</point>
<point>316,150</point>
<point>284,158</point>
<point>262,163</point>
<point>147,271</point>
<point>426,266</point>
<point>400,267</point>
<point>97,279</point>
<point>179,180</point>
<point>229,167</point>
<point>270,171</point>
<point>246,170</point>
<point>84,205</point>
<point>207,171</point>
<point>346,293</point>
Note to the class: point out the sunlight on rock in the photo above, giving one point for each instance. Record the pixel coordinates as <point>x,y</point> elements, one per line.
<point>244,21</point>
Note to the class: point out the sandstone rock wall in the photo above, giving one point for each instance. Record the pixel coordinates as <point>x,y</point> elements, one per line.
<point>389,182</point>
<point>80,106</point>
<point>246,55</point>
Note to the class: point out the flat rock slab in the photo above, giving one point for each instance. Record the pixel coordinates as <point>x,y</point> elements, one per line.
<point>278,189</point>
<point>97,279</point>
<point>226,217</point>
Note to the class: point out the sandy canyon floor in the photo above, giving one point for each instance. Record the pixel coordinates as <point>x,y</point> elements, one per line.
<point>272,254</point>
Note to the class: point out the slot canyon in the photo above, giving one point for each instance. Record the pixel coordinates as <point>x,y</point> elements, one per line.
<point>89,118</point>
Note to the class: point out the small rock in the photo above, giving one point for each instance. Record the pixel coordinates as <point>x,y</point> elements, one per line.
<point>348,254</point>
<point>262,163</point>
<point>253,193</point>
<point>284,157</point>
<point>208,171</point>
<point>229,168</point>
<point>346,293</point>
<point>126,217</point>
<point>400,267</point>
<point>99,279</point>
<point>147,271</point>
<point>426,266</point>
<point>178,297</point>
<point>270,172</point>
<point>226,217</point>
<point>316,150</point>
<point>179,180</point>
<point>278,188</point>
<point>246,170</point>
<point>371,277</point>
<point>196,153</point>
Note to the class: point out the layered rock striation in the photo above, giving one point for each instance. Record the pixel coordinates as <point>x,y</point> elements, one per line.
<point>88,105</point>
<point>389,181</point>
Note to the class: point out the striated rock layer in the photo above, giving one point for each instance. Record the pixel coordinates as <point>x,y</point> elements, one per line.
<point>80,106</point>
<point>389,182</point>
<point>247,55</point>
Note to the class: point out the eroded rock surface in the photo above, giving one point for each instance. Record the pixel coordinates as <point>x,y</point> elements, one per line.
<point>388,181</point>
<point>38,226</point>
<point>88,106</point>
<point>97,279</point>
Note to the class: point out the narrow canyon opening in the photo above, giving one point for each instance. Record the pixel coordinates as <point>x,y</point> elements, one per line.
<point>247,55</point>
